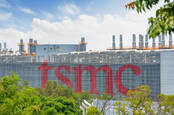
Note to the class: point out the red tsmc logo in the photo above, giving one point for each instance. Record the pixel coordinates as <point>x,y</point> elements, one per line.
<point>93,73</point>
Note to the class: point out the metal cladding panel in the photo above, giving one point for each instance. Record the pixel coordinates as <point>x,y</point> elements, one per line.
<point>95,78</point>
<point>167,73</point>
<point>44,52</point>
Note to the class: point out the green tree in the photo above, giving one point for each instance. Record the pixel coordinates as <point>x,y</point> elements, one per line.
<point>163,22</point>
<point>17,99</point>
<point>13,97</point>
<point>165,104</point>
<point>137,101</point>
<point>92,111</point>
<point>121,108</point>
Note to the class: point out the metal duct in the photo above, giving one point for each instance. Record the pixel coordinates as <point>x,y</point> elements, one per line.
<point>153,43</point>
<point>170,41</point>
<point>141,41</point>
<point>159,41</point>
<point>163,40</point>
<point>113,42</point>
<point>121,41</point>
<point>134,41</point>
<point>146,41</point>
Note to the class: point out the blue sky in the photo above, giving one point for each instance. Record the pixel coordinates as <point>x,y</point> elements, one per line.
<point>65,21</point>
<point>23,11</point>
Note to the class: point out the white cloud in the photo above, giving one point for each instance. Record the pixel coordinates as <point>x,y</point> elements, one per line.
<point>4,4</point>
<point>5,16</point>
<point>98,31</point>
<point>11,36</point>
<point>48,16</point>
<point>70,9</point>
<point>28,11</point>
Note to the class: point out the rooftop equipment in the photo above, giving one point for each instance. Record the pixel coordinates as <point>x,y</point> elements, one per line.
<point>163,40</point>
<point>21,46</point>
<point>133,41</point>
<point>34,46</point>
<point>113,42</point>
<point>82,44</point>
<point>159,41</point>
<point>0,46</point>
<point>146,41</point>
<point>121,41</point>
<point>141,42</point>
<point>30,46</point>
<point>153,43</point>
<point>5,46</point>
<point>170,41</point>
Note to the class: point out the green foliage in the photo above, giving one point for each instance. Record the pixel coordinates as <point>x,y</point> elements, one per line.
<point>58,105</point>
<point>164,20</point>
<point>166,104</point>
<point>139,103</point>
<point>139,100</point>
<point>92,111</point>
<point>121,108</point>
<point>16,99</point>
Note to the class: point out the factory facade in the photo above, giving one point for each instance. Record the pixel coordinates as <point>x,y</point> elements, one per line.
<point>114,71</point>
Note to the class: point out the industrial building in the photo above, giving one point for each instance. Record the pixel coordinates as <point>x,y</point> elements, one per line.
<point>49,51</point>
<point>114,71</point>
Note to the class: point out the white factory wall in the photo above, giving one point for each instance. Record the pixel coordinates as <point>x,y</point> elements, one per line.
<point>167,73</point>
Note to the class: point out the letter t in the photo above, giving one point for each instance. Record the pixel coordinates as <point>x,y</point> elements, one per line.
<point>44,73</point>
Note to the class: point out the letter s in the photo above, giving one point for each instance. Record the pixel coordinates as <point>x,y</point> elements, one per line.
<point>62,77</point>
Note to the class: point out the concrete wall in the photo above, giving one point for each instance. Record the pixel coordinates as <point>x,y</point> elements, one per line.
<point>167,73</point>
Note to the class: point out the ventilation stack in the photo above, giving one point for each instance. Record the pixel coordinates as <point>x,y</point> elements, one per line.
<point>30,46</point>
<point>0,47</point>
<point>134,41</point>
<point>159,41</point>
<point>5,46</point>
<point>21,47</point>
<point>121,41</point>
<point>82,44</point>
<point>146,41</point>
<point>170,41</point>
<point>113,42</point>
<point>163,41</point>
<point>34,46</point>
<point>141,41</point>
<point>153,43</point>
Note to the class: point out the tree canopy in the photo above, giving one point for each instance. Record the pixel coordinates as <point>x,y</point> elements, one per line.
<point>20,99</point>
<point>163,22</point>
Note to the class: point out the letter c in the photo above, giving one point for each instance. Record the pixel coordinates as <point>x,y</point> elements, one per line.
<point>118,78</point>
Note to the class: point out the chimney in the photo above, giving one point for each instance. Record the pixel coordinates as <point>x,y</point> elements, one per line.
<point>30,46</point>
<point>121,41</point>
<point>141,41</point>
<point>159,41</point>
<point>170,41</point>
<point>163,40</point>
<point>82,39</point>
<point>0,46</point>
<point>82,44</point>
<point>134,41</point>
<point>146,41</point>
<point>35,41</point>
<point>113,42</point>
<point>21,46</point>
<point>153,43</point>
<point>5,46</point>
